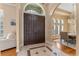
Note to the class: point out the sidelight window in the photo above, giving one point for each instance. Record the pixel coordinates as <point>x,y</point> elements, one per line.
<point>1,23</point>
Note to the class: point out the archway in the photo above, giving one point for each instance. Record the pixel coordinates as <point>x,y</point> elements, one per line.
<point>34,30</point>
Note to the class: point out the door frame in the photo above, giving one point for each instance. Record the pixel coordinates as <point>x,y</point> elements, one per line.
<point>23,11</point>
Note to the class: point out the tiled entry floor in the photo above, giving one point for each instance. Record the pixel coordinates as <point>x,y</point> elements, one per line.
<point>35,50</point>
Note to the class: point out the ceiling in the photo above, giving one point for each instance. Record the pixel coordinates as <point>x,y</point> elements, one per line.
<point>66,6</point>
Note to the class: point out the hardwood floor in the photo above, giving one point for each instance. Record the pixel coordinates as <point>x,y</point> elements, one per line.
<point>67,50</point>
<point>8,52</point>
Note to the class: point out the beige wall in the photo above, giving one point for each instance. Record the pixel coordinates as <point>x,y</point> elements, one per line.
<point>9,13</point>
<point>77,29</point>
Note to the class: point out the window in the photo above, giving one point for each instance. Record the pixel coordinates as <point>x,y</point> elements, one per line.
<point>62,25</point>
<point>1,23</point>
<point>34,9</point>
<point>58,26</point>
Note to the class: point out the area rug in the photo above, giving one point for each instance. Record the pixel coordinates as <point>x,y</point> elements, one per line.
<point>39,51</point>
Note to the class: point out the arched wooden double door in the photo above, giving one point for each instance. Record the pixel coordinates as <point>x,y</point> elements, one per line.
<point>34,29</point>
